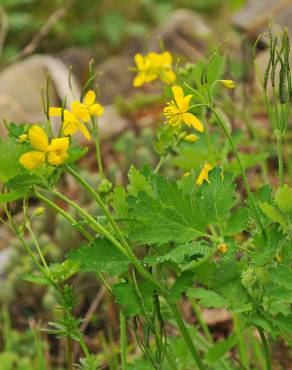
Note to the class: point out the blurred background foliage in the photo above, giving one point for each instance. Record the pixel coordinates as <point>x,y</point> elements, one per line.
<point>105,25</point>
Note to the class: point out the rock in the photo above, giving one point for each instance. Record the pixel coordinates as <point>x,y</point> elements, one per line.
<point>114,77</point>
<point>20,88</point>
<point>20,94</point>
<point>184,34</point>
<point>255,16</point>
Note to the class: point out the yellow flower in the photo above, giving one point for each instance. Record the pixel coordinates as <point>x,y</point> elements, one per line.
<point>223,248</point>
<point>191,138</point>
<point>55,153</point>
<point>72,120</point>
<point>229,84</point>
<point>145,71</point>
<point>153,66</point>
<point>176,111</point>
<point>94,109</point>
<point>204,174</point>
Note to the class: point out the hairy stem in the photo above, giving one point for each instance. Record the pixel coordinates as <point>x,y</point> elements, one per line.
<point>123,341</point>
<point>265,349</point>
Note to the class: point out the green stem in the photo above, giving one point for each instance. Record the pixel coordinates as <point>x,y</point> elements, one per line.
<point>97,147</point>
<point>159,164</point>
<point>123,341</point>
<point>97,227</point>
<point>265,349</point>
<point>70,354</point>
<point>127,251</point>
<point>243,174</point>
<point>187,338</point>
<point>38,248</point>
<point>280,158</point>
<point>243,355</point>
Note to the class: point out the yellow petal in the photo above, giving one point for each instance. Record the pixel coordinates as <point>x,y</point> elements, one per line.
<point>38,138</point>
<point>178,94</point>
<point>32,160</point>
<point>168,76</point>
<point>166,57</point>
<point>96,109</point>
<point>55,112</point>
<point>56,159</point>
<point>185,103</point>
<point>190,120</point>
<point>89,98</point>
<point>80,111</point>
<point>139,80</point>
<point>69,127</point>
<point>84,130</point>
<point>139,60</point>
<point>61,144</point>
<point>203,176</point>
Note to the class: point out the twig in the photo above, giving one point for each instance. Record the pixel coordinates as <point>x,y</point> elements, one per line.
<point>45,29</point>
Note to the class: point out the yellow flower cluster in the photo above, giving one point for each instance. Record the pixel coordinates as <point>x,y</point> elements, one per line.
<point>79,116</point>
<point>55,153</point>
<point>153,66</point>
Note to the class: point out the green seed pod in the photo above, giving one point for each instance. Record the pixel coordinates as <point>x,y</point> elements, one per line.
<point>282,85</point>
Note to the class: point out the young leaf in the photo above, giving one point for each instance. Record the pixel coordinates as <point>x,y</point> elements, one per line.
<point>119,202</point>
<point>283,199</point>
<point>138,183</point>
<point>101,256</point>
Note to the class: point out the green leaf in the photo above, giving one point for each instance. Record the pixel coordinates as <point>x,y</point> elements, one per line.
<point>119,202</point>
<point>24,181</point>
<point>282,275</point>
<point>237,222</point>
<point>182,254</point>
<point>35,279</point>
<point>9,159</point>
<point>138,183</point>
<point>63,271</point>
<point>101,256</point>
<point>131,301</point>
<point>12,196</point>
<point>283,199</point>
<point>167,215</point>
<point>182,284</point>
<point>208,298</point>
<point>217,197</point>
<point>272,213</point>
<point>76,153</point>
<point>218,350</point>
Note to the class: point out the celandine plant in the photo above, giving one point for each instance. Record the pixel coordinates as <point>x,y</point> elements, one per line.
<point>199,236</point>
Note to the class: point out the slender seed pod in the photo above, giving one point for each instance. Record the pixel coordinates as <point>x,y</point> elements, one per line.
<point>282,81</point>
<point>271,60</point>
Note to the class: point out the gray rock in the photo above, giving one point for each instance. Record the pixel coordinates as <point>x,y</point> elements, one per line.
<point>184,34</point>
